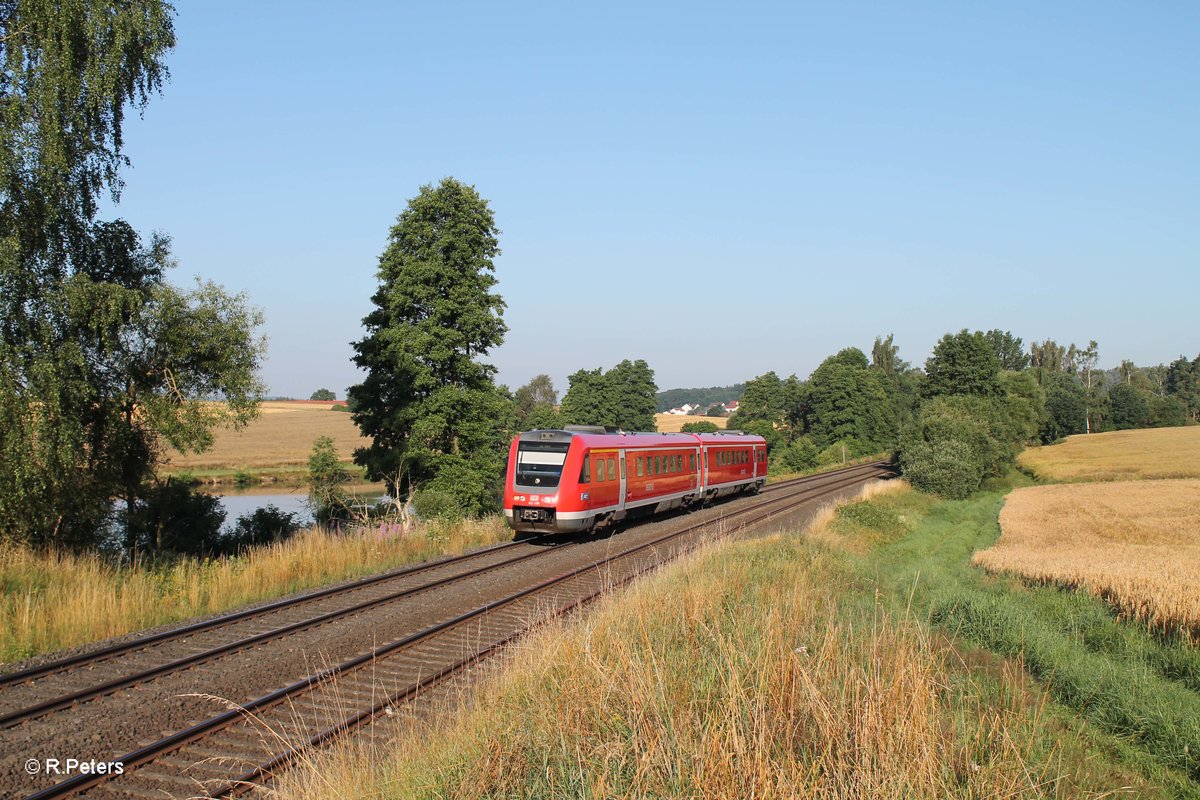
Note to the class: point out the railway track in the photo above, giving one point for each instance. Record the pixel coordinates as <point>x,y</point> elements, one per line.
<point>309,712</point>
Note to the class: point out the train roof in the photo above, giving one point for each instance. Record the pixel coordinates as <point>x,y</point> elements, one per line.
<point>598,437</point>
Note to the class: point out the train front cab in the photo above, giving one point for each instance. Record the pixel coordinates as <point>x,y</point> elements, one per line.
<point>536,463</point>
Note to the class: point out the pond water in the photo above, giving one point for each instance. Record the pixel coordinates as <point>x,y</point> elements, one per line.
<point>247,501</point>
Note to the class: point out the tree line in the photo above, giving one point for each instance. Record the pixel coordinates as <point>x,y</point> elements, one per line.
<point>980,398</point>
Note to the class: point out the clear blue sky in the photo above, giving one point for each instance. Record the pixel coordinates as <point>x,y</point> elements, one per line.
<point>721,189</point>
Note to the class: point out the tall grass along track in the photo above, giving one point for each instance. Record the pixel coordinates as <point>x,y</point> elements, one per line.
<point>312,711</point>
<point>132,663</point>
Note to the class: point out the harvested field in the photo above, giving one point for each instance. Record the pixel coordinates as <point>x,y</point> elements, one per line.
<point>1119,456</point>
<point>282,437</point>
<point>1136,544</point>
<point>671,423</point>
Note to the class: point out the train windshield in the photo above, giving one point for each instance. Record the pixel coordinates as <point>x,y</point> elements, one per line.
<point>540,464</point>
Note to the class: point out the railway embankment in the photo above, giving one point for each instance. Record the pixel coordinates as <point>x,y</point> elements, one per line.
<point>868,657</point>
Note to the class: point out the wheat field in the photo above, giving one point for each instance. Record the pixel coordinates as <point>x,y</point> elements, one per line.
<point>1118,456</point>
<point>281,437</point>
<point>1136,544</point>
<point>671,423</point>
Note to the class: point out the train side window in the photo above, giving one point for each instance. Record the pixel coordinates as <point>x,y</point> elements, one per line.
<point>612,469</point>
<point>692,462</point>
<point>641,468</point>
<point>599,464</point>
<point>585,474</point>
<point>679,463</point>
<point>622,469</point>
<point>658,465</point>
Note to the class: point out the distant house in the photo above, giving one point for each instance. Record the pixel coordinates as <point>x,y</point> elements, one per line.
<point>731,406</point>
<point>685,409</point>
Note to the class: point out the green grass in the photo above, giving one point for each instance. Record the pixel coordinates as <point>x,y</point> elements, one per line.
<point>1142,690</point>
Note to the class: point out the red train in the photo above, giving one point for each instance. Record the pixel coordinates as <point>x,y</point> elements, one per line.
<point>581,477</point>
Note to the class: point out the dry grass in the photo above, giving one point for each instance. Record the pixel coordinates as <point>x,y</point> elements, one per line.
<point>735,674</point>
<point>55,600</point>
<point>822,528</point>
<point>282,437</point>
<point>1136,544</point>
<point>1119,456</point>
<point>672,423</point>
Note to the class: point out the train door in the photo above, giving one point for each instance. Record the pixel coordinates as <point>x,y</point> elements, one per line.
<point>607,488</point>
<point>624,481</point>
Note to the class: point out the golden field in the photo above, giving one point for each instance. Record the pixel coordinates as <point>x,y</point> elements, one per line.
<point>1118,456</point>
<point>281,437</point>
<point>1136,544</point>
<point>671,423</point>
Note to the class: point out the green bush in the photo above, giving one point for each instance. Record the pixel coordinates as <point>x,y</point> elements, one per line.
<point>262,526</point>
<point>330,502</point>
<point>946,467</point>
<point>798,456</point>
<point>172,518</point>
<point>435,504</point>
<point>699,427</point>
<point>244,478</point>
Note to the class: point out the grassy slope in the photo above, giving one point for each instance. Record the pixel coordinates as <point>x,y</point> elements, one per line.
<point>801,668</point>
<point>1143,690</point>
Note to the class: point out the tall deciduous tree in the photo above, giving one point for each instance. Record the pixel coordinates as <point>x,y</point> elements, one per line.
<point>962,363</point>
<point>632,382</point>
<point>1048,356</point>
<point>885,356</point>
<point>845,400</point>
<point>588,400</point>
<point>429,405</point>
<point>534,404</point>
<point>102,363</point>
<point>623,397</point>
<point>1183,384</point>
<point>1009,349</point>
